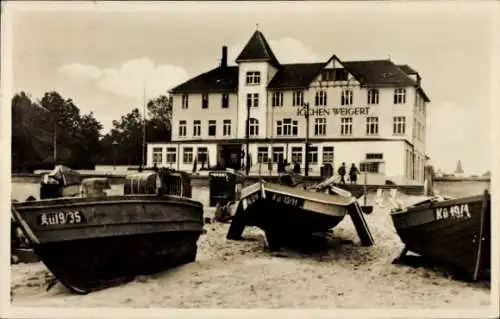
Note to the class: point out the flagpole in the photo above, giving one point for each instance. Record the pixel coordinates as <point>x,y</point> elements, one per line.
<point>144,125</point>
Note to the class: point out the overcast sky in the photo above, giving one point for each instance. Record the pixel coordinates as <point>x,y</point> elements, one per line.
<point>101,57</point>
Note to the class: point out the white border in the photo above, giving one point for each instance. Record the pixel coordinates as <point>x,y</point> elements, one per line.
<point>5,126</point>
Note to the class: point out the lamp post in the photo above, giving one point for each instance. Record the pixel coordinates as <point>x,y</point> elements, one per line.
<point>305,109</point>
<point>115,143</point>
<point>247,153</point>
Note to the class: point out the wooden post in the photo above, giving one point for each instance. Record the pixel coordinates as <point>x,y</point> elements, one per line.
<point>306,166</point>
<point>364,190</point>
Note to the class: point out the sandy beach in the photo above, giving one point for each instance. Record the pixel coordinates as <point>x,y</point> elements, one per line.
<point>243,274</point>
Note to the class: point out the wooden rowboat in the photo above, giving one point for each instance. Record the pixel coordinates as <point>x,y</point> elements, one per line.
<point>285,212</point>
<point>454,232</point>
<point>90,243</point>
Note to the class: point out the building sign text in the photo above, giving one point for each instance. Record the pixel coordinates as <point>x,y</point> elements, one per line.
<point>326,111</point>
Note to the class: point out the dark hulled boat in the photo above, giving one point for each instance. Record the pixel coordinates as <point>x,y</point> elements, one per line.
<point>92,242</point>
<point>454,232</point>
<point>286,213</point>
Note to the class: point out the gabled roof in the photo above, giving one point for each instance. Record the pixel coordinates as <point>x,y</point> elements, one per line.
<point>221,79</point>
<point>407,69</point>
<point>378,73</point>
<point>257,49</point>
<point>297,75</point>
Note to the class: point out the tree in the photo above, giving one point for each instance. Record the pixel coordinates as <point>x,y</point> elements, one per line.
<point>159,127</point>
<point>76,136</point>
<point>31,134</point>
<point>127,132</point>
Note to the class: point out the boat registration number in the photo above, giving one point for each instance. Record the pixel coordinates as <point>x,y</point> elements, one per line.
<point>453,212</point>
<point>287,200</point>
<point>61,218</point>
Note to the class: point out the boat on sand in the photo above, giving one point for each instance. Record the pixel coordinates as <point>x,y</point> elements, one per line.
<point>286,213</point>
<point>453,232</point>
<point>93,242</point>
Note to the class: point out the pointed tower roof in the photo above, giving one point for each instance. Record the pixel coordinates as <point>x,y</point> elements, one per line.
<point>257,49</point>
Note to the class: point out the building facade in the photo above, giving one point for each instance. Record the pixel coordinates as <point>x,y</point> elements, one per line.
<point>371,113</point>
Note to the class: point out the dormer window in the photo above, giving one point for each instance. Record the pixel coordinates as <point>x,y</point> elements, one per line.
<point>327,75</point>
<point>340,75</point>
<point>253,78</point>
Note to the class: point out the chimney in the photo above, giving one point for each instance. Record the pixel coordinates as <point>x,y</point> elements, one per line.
<point>223,61</point>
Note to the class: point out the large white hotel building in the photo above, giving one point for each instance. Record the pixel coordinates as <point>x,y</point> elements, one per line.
<point>371,113</point>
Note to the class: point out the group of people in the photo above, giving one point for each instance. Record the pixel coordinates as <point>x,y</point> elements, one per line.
<point>353,173</point>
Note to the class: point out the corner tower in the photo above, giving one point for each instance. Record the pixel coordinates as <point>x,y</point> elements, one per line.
<point>257,66</point>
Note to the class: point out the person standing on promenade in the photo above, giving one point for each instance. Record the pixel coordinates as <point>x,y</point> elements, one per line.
<point>342,172</point>
<point>353,173</point>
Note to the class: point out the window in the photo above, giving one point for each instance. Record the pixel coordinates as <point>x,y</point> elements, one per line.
<point>262,154</point>
<point>252,100</point>
<point>400,96</point>
<point>313,155</point>
<point>415,128</point>
<point>226,127</point>
<point>204,101</point>
<point>320,98</point>
<point>298,98</point>
<point>157,155</point>
<point>287,127</point>
<point>202,155</point>
<point>187,156</point>
<point>185,101</point>
<point>346,126</point>
<point>297,154</point>
<point>278,154</point>
<point>225,100</point>
<point>346,98</point>
<point>253,127</point>
<point>196,128</point>
<point>399,125</point>
<point>277,99</point>
<point>171,155</point>
<point>327,75</point>
<point>253,77</point>
<point>370,167</point>
<point>320,126</point>
<point>328,154</point>
<point>371,125</point>
<point>340,75</point>
<point>182,128</point>
<point>373,96</point>
<point>371,156</point>
<point>212,127</point>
